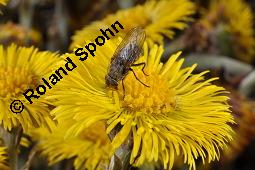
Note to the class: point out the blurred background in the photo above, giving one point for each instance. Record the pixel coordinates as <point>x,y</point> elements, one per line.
<point>219,38</point>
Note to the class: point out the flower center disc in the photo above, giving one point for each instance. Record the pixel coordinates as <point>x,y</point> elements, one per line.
<point>14,81</point>
<point>157,98</point>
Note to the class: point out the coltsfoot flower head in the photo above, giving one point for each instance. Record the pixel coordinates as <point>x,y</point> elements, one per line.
<point>180,114</point>
<point>226,14</point>
<point>158,18</point>
<point>20,69</point>
<point>90,150</point>
<point>14,33</point>
<point>244,113</point>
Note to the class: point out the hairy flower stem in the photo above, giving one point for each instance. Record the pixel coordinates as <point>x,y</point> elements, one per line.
<point>121,157</point>
<point>14,141</point>
<point>30,159</point>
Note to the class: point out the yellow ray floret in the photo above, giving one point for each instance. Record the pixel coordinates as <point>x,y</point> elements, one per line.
<point>3,157</point>
<point>179,114</point>
<point>22,68</point>
<point>158,18</point>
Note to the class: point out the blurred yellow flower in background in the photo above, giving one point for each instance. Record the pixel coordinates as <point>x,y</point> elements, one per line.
<point>180,114</point>
<point>237,19</point>
<point>22,68</point>
<point>3,2</point>
<point>14,33</point>
<point>158,18</point>
<point>244,113</point>
<point>90,150</point>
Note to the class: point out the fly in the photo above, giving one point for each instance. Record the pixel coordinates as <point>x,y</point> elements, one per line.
<point>124,57</point>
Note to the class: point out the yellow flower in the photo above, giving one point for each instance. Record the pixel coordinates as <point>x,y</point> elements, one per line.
<point>20,69</point>
<point>237,18</point>
<point>14,33</point>
<point>243,111</point>
<point>90,150</point>
<point>3,158</point>
<point>3,2</point>
<point>179,114</point>
<point>158,18</point>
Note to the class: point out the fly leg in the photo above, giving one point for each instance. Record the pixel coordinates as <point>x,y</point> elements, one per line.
<point>137,78</point>
<point>139,64</point>
<point>123,87</point>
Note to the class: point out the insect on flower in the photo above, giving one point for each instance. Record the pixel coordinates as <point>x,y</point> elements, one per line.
<point>124,57</point>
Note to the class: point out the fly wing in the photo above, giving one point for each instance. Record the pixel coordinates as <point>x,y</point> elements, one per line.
<point>130,47</point>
